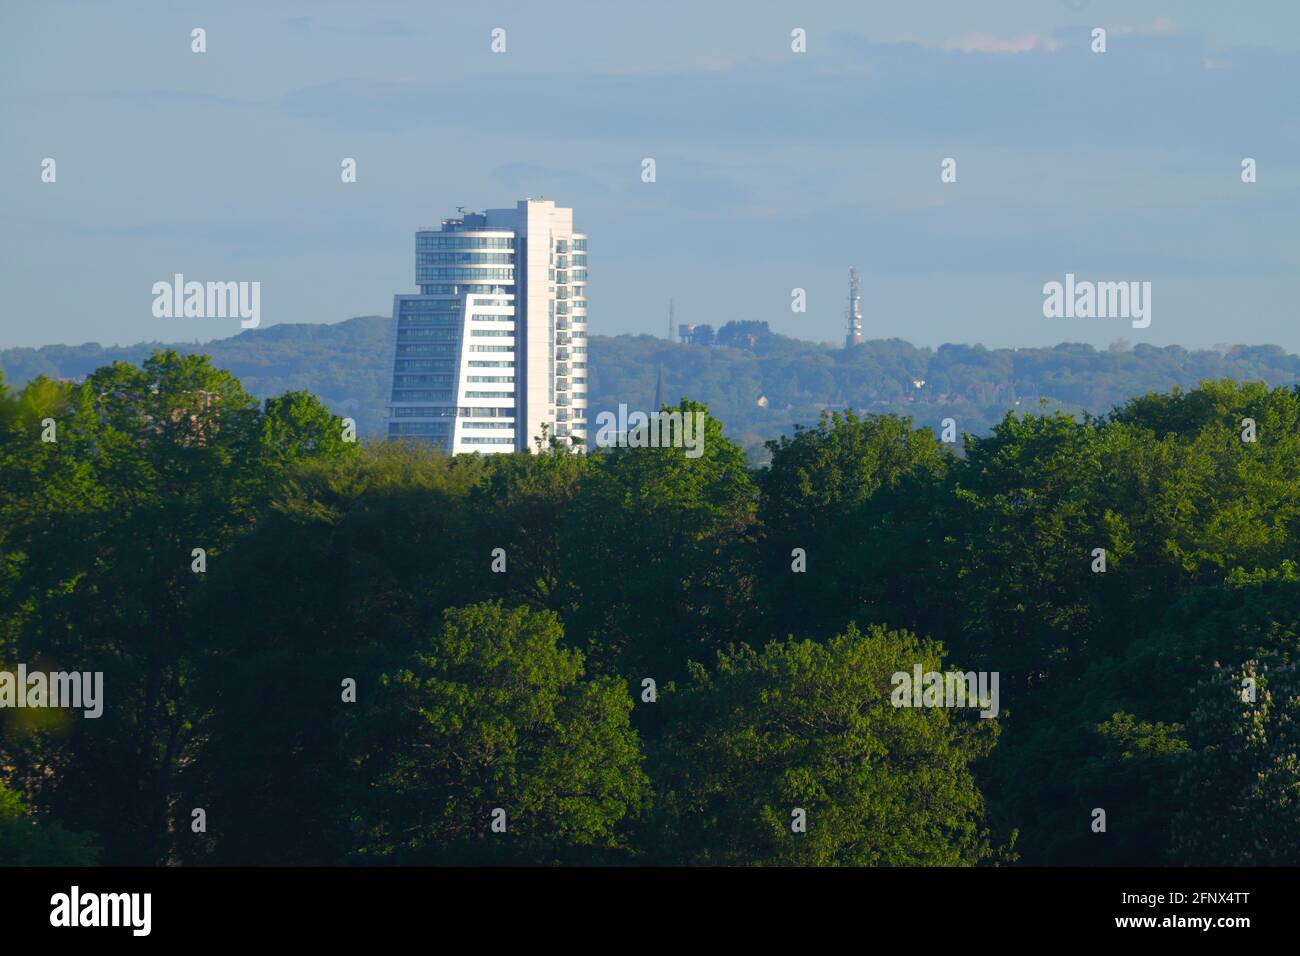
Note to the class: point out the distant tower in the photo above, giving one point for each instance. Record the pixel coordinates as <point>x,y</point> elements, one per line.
<point>670,320</point>
<point>854,313</point>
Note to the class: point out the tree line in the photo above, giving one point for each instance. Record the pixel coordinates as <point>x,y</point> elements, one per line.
<point>758,390</point>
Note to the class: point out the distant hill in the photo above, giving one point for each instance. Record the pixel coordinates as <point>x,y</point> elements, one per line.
<point>348,364</point>
<point>758,384</point>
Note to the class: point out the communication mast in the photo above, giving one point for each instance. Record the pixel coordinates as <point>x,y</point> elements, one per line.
<point>854,312</point>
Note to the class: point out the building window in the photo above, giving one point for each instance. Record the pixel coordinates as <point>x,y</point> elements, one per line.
<point>435,241</point>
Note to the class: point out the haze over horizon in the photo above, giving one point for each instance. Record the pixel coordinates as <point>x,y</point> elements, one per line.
<point>775,170</point>
<point>1126,342</point>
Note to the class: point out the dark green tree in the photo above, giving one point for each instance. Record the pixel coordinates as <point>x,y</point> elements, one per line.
<point>340,579</point>
<point>26,842</point>
<point>151,465</point>
<point>657,544</point>
<point>862,499</point>
<point>1238,798</point>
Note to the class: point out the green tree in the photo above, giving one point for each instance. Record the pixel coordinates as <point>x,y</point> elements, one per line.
<point>26,842</point>
<point>862,498</point>
<point>150,463</point>
<point>811,725</point>
<point>1238,797</point>
<point>525,505</point>
<point>492,712</point>
<point>657,544</point>
<point>350,561</point>
<point>295,426</point>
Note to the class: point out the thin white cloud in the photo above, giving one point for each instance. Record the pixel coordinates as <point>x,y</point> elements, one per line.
<point>986,43</point>
<point>1161,26</point>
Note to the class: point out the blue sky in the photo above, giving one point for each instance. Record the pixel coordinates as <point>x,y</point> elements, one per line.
<point>775,170</point>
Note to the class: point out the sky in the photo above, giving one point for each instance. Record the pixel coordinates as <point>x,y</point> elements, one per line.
<point>774,170</point>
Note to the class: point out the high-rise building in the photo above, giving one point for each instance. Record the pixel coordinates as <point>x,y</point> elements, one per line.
<point>492,353</point>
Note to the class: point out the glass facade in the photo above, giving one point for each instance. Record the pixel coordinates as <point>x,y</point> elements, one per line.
<point>472,335</point>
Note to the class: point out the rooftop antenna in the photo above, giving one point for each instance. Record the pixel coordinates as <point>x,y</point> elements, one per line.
<point>854,313</point>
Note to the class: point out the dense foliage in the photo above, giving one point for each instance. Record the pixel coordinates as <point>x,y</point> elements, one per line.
<point>385,655</point>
